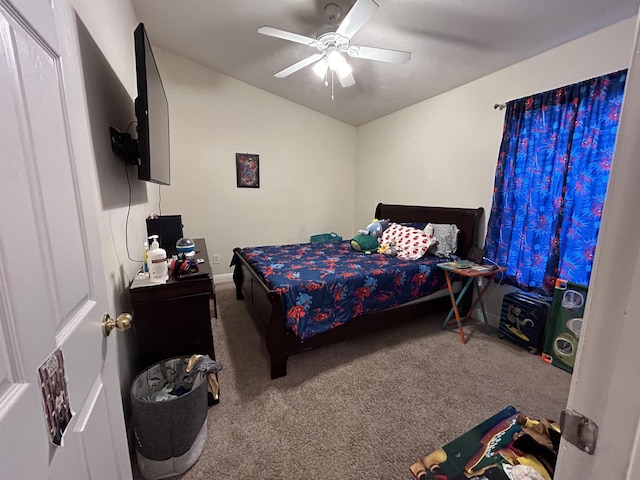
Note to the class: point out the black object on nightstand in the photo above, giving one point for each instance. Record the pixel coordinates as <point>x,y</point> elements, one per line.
<point>169,231</point>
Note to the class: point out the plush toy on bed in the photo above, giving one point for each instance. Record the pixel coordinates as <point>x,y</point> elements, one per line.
<point>376,227</point>
<point>388,249</point>
<point>367,240</point>
<point>365,243</point>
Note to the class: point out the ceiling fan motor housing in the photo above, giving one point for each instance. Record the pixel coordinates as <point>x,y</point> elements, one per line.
<point>333,13</point>
<point>332,39</point>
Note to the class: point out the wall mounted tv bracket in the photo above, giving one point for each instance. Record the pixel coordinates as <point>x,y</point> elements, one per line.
<point>124,146</point>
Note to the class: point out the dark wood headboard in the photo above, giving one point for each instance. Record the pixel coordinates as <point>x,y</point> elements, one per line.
<point>467,220</point>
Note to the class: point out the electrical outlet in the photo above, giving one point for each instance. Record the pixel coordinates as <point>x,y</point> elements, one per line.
<point>216,258</point>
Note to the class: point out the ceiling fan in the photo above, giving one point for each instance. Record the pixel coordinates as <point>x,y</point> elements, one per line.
<point>332,45</point>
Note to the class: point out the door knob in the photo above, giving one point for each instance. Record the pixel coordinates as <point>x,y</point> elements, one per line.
<point>122,322</point>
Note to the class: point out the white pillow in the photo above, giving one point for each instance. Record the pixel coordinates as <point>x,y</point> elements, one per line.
<point>446,235</point>
<point>411,243</point>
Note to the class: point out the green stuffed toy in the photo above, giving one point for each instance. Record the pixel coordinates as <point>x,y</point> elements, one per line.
<point>367,240</point>
<point>365,243</point>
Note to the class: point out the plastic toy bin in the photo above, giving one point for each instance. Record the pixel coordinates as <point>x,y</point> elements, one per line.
<point>326,237</point>
<point>169,418</point>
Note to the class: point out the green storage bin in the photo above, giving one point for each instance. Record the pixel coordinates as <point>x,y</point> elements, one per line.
<point>565,323</point>
<point>326,237</point>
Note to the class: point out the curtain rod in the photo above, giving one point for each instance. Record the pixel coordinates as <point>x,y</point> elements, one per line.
<point>500,106</point>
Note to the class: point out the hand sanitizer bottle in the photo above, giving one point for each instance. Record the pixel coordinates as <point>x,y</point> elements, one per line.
<point>157,261</point>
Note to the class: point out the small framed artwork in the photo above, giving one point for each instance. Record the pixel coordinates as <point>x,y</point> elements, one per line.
<point>248,170</point>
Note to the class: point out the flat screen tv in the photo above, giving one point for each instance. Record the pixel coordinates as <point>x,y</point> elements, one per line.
<point>152,112</point>
<point>150,151</point>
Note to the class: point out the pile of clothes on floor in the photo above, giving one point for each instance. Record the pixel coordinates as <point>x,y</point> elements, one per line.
<point>507,446</point>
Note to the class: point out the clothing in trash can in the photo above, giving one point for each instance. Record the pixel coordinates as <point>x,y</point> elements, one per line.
<point>204,365</point>
<point>169,414</point>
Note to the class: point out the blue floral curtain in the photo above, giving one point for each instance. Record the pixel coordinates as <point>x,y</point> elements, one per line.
<point>551,180</point>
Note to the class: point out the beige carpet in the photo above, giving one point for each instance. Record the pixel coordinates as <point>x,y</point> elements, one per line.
<point>366,408</point>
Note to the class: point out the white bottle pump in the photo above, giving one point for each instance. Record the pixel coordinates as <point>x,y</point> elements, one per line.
<point>157,260</point>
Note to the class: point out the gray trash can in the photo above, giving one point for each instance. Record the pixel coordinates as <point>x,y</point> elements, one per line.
<point>169,417</point>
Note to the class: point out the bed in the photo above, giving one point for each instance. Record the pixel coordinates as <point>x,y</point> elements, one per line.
<point>312,294</point>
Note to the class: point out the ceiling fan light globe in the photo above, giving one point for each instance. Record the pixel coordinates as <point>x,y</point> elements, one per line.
<point>320,68</point>
<point>347,81</point>
<point>335,60</point>
<point>344,70</point>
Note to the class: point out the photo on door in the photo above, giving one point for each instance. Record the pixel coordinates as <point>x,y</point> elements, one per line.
<point>55,397</point>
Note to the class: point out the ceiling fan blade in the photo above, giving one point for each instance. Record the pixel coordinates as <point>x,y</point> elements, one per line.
<point>299,65</point>
<point>347,80</point>
<point>361,11</point>
<point>379,54</point>
<point>292,37</point>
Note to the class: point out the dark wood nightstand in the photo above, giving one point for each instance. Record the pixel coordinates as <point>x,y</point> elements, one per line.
<point>174,318</point>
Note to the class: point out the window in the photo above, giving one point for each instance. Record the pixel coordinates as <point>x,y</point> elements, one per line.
<point>551,181</point>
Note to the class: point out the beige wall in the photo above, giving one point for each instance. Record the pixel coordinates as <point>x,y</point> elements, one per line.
<point>105,42</point>
<point>307,163</point>
<point>443,151</point>
<point>105,34</point>
<point>321,175</point>
<point>111,25</point>
<point>317,174</point>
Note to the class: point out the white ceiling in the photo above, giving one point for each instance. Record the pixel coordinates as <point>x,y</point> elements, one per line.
<point>452,43</point>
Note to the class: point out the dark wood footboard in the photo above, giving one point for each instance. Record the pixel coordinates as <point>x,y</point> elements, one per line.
<point>267,304</point>
<point>267,307</point>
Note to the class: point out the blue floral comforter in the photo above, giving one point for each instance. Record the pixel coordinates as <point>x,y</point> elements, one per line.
<point>323,285</point>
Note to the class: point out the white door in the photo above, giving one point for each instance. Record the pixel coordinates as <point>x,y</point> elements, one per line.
<point>52,289</point>
<point>606,383</point>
